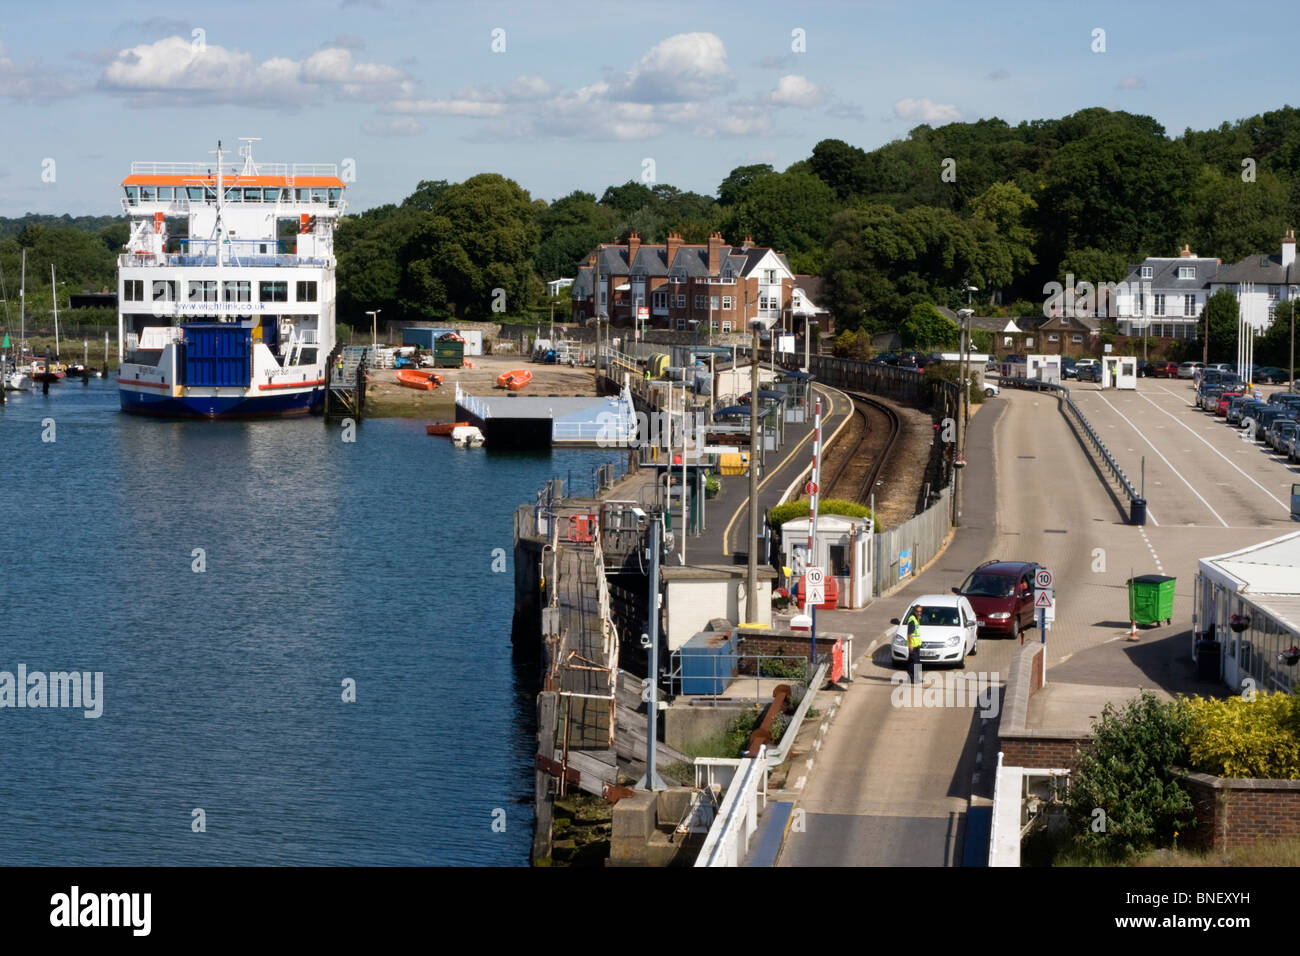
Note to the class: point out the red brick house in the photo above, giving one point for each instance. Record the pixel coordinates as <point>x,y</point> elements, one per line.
<point>678,283</point>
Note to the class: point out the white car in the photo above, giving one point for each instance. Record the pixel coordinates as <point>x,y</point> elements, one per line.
<point>949,630</point>
<point>989,389</point>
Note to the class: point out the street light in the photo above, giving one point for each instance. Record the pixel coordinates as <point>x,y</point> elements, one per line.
<point>1291,292</point>
<point>374,328</point>
<point>751,602</point>
<point>963,418</point>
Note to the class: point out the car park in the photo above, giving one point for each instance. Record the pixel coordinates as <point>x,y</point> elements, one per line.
<point>1235,407</point>
<point>1164,370</point>
<point>1002,594</point>
<point>949,630</point>
<point>1188,369</point>
<point>1225,398</point>
<point>1282,432</point>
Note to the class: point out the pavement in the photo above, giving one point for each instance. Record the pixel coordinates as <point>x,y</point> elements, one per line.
<point>891,784</point>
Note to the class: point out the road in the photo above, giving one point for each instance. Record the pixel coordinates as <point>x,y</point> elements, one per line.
<point>891,784</point>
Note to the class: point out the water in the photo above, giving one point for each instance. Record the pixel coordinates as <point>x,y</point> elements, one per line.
<point>324,562</point>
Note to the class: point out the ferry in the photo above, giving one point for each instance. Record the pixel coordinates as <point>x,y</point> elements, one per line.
<point>231,321</point>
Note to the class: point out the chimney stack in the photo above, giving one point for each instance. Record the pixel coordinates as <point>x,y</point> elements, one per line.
<point>1288,249</point>
<point>1186,252</point>
<point>715,253</point>
<point>748,243</point>
<point>674,243</point>
<point>633,244</point>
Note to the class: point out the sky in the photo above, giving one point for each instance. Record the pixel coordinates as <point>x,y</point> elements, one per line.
<point>561,96</point>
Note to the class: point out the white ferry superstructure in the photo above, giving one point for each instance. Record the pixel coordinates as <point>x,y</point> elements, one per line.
<point>234,322</point>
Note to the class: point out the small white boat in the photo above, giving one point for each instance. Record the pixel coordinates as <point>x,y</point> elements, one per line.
<point>466,436</point>
<point>17,380</point>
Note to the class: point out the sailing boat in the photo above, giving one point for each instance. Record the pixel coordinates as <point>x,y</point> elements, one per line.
<point>47,369</point>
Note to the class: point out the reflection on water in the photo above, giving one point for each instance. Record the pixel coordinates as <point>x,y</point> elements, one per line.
<point>228,578</point>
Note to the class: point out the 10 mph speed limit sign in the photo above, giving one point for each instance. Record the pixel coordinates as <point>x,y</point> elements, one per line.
<point>816,581</point>
<point>1043,578</point>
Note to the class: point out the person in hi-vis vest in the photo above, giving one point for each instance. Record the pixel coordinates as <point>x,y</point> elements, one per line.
<point>913,625</point>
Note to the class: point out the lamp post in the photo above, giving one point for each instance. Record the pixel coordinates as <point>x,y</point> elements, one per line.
<point>374,328</point>
<point>1291,292</point>
<point>751,601</point>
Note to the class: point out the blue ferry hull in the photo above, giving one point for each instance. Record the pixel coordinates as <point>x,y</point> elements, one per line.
<point>270,406</point>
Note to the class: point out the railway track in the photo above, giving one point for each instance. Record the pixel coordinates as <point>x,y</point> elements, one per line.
<point>870,440</point>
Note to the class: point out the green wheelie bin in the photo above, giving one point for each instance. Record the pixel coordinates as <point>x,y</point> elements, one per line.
<point>1151,599</point>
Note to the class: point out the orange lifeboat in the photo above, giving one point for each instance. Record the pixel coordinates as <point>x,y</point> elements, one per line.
<point>443,428</point>
<point>411,378</point>
<point>515,380</point>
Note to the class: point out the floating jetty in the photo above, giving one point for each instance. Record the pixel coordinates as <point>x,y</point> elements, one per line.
<point>516,420</point>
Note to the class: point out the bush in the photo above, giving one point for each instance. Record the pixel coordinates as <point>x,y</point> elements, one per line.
<point>1128,774</point>
<point>1245,738</point>
<point>828,506</point>
<point>852,345</point>
<point>951,372</point>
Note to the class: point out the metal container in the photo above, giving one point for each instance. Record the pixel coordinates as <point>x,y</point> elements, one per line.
<point>1151,599</point>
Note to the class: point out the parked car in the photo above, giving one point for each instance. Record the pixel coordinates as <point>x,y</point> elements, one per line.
<point>1089,373</point>
<point>1143,368</point>
<point>884,358</point>
<point>1291,447</point>
<point>1188,369</point>
<point>1002,594</point>
<point>1271,375</point>
<point>1164,369</point>
<point>949,631</point>
<point>1271,430</point>
<point>1225,399</point>
<point>1282,432</point>
<point>1069,367</point>
<point>1208,397</point>
<point>1235,407</point>
<point>990,389</point>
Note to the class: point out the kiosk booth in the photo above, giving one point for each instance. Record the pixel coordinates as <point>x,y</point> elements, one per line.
<point>1119,371</point>
<point>844,552</point>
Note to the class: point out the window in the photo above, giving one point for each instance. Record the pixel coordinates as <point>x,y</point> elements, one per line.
<point>1065,320</point>
<point>165,193</point>
<point>304,195</point>
<point>317,194</point>
<point>726,302</point>
<point>659,300</point>
<point>1148,272</point>
<point>1160,304</point>
<point>203,291</point>
<point>164,290</point>
<point>270,194</point>
<point>335,195</point>
<point>1189,305</point>
<point>681,300</point>
<point>1187,272</point>
<point>279,292</point>
<point>233,194</point>
<point>194,193</point>
<point>1076,338</point>
<point>239,290</point>
<point>133,290</point>
<point>252,195</point>
<point>603,295</point>
<point>1053,337</point>
<point>726,325</point>
<point>306,291</point>
<point>769,276</point>
<point>681,325</point>
<point>700,301</point>
<point>132,194</point>
<point>713,302</point>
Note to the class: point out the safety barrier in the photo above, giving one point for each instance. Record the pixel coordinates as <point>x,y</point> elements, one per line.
<point>728,841</point>
<point>1083,428</point>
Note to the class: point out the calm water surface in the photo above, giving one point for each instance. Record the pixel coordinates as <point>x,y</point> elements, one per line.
<point>325,561</point>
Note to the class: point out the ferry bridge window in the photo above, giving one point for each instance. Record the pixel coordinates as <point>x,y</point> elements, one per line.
<point>306,291</point>
<point>165,193</point>
<point>194,192</point>
<point>335,195</point>
<point>304,195</point>
<point>133,290</point>
<point>164,290</point>
<point>146,193</point>
<point>232,194</point>
<point>317,194</point>
<point>270,195</point>
<point>273,292</point>
<point>238,291</point>
<point>203,291</point>
<point>252,195</point>
<point>132,194</point>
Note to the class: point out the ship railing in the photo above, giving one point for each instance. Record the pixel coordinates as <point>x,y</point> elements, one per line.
<point>234,170</point>
<point>173,259</point>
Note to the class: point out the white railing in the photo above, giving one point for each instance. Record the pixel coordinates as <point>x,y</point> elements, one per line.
<point>173,259</point>
<point>728,841</point>
<point>233,170</point>
<point>471,404</point>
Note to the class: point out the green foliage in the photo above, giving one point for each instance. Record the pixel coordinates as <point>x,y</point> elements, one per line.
<point>780,514</point>
<point>852,344</point>
<point>1128,774</point>
<point>951,372</point>
<point>1245,738</point>
<point>789,211</point>
<point>926,328</point>
<point>1221,312</point>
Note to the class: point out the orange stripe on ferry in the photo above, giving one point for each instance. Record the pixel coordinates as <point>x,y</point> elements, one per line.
<point>319,381</point>
<point>129,381</point>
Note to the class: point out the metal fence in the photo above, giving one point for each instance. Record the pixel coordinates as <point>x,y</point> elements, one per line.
<point>903,551</point>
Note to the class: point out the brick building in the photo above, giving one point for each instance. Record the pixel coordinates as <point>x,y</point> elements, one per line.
<point>678,283</point>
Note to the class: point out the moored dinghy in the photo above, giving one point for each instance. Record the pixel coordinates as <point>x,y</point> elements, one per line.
<point>444,428</point>
<point>515,379</point>
<point>466,436</point>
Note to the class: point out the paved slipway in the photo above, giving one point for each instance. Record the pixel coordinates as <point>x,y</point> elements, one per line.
<point>890,786</point>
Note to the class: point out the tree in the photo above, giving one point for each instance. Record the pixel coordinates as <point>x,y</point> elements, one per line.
<point>426,195</point>
<point>738,180</point>
<point>1003,209</point>
<point>1222,314</point>
<point>1127,774</point>
<point>927,328</point>
<point>627,198</point>
<point>846,169</point>
<point>788,211</point>
<point>1231,219</point>
<point>480,237</point>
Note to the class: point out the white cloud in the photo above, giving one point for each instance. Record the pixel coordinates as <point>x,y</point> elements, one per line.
<point>175,69</point>
<point>924,110</point>
<point>1131,83</point>
<point>29,81</point>
<point>453,107</point>
<point>795,90</point>
<point>682,68</point>
<point>397,127</point>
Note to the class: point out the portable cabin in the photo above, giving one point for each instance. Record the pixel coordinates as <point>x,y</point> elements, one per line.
<point>1043,368</point>
<point>1119,371</point>
<point>843,551</point>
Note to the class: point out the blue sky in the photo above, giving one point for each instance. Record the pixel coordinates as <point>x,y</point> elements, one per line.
<point>582,94</point>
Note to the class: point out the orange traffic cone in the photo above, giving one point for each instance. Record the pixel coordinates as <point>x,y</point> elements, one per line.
<point>1133,631</point>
